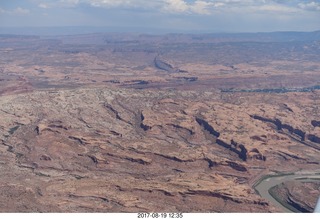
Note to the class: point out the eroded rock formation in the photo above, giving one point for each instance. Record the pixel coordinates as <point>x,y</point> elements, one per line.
<point>294,193</point>
<point>293,131</point>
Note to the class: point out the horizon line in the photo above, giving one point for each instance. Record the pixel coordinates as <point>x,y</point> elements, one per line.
<point>82,30</point>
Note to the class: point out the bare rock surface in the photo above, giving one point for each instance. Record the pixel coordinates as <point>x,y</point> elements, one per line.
<point>109,150</point>
<point>294,193</point>
<point>127,123</point>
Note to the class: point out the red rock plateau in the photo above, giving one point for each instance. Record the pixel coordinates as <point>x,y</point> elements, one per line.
<point>138,123</point>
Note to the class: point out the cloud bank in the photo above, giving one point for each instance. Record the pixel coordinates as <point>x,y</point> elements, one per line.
<point>198,15</point>
<point>200,7</point>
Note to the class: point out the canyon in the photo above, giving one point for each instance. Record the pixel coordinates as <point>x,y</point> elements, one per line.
<point>146,123</point>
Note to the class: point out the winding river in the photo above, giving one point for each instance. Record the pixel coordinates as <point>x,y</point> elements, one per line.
<point>268,182</point>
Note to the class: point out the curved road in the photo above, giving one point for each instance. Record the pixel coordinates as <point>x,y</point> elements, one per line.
<point>264,186</point>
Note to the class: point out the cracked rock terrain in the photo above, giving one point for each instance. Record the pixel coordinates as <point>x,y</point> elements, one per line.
<point>76,138</point>
<point>106,150</point>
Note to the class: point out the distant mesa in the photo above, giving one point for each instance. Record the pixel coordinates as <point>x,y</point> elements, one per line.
<point>112,81</point>
<point>137,82</point>
<point>189,79</point>
<point>162,65</point>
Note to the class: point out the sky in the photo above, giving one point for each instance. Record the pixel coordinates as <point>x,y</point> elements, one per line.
<point>192,16</point>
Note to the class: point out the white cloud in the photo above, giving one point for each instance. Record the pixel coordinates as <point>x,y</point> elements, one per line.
<point>16,11</point>
<point>109,3</point>
<point>207,7</point>
<point>277,8</point>
<point>254,6</point>
<point>218,4</point>
<point>176,6</point>
<point>216,15</point>
<point>153,5</point>
<point>123,3</point>
<point>21,11</point>
<point>201,7</point>
<point>172,6</point>
<point>314,6</point>
<point>58,3</point>
<point>181,6</point>
<point>70,2</point>
<point>43,5</point>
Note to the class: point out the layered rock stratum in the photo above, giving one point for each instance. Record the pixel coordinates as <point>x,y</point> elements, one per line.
<point>293,194</point>
<point>153,125</point>
<point>109,150</point>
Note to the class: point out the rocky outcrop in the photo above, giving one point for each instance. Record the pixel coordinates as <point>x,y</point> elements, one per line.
<point>77,139</point>
<point>299,196</point>
<point>285,106</point>
<point>189,79</point>
<point>142,125</point>
<point>236,166</point>
<point>300,133</point>
<point>138,160</point>
<point>112,81</point>
<point>286,155</point>
<point>239,149</point>
<point>213,194</point>
<point>113,112</point>
<point>58,126</point>
<point>13,129</point>
<point>282,127</point>
<point>207,127</point>
<point>263,119</point>
<point>314,139</point>
<point>210,163</point>
<point>315,123</point>
<point>255,154</point>
<point>181,129</point>
<point>163,65</point>
<point>136,82</point>
<point>262,138</point>
<point>285,126</point>
<point>51,126</point>
<point>45,157</point>
<point>294,133</point>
